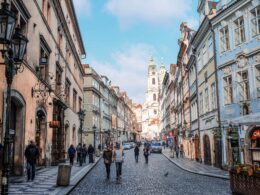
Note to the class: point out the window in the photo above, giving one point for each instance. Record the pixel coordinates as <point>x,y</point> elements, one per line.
<point>58,78</point>
<point>258,81</point>
<point>67,92</point>
<point>205,55</point>
<point>80,103</point>
<point>153,73</point>
<point>155,111</point>
<point>255,21</point>
<point>49,14</point>
<point>206,100</point>
<point>224,39</point>
<point>244,93</point>
<point>43,64</point>
<point>154,97</point>
<point>213,96</point>
<point>153,81</point>
<point>228,90</point>
<point>239,31</point>
<point>199,62</point>
<point>210,47</point>
<point>74,99</point>
<point>201,103</point>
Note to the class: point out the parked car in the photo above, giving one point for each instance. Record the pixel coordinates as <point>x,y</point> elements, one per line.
<point>132,144</point>
<point>156,147</point>
<point>127,146</point>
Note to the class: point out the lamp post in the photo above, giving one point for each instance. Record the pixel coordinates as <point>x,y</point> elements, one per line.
<point>14,46</point>
<point>94,131</point>
<point>81,114</point>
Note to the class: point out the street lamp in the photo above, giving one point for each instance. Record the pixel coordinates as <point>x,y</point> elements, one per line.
<point>14,46</point>
<point>94,131</point>
<point>81,114</point>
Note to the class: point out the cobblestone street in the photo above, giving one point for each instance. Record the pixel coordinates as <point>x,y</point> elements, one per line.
<point>140,178</point>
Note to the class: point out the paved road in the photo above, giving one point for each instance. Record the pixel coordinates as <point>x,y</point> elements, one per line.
<point>140,178</point>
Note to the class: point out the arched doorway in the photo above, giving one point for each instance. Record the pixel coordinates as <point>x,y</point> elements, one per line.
<point>74,135</point>
<point>67,135</point>
<point>41,135</point>
<point>218,151</point>
<point>197,147</point>
<point>17,126</point>
<point>207,155</point>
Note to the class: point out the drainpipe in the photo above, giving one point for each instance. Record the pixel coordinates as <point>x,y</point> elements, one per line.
<point>217,94</point>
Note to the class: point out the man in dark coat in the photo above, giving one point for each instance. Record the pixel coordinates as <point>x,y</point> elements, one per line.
<point>31,155</point>
<point>91,153</point>
<point>71,153</point>
<point>107,155</point>
<point>136,153</point>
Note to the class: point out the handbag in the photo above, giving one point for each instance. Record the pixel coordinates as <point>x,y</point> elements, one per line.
<point>106,161</point>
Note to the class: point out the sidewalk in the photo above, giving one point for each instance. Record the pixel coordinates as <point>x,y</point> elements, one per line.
<point>45,181</point>
<point>196,167</point>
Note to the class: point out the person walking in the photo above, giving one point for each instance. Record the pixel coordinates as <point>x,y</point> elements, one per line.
<point>31,154</point>
<point>136,150</point>
<point>71,153</point>
<point>146,154</point>
<point>79,150</point>
<point>91,152</point>
<point>85,152</point>
<point>118,159</point>
<point>177,150</point>
<point>107,155</point>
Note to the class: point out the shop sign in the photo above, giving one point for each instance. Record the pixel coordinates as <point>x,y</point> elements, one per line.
<point>256,134</point>
<point>54,124</point>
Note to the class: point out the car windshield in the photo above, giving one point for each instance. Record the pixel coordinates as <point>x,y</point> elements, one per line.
<point>156,144</point>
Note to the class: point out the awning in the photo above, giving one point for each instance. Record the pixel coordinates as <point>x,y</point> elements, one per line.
<point>251,119</point>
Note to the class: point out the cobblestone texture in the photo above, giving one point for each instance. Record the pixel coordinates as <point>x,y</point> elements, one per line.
<point>141,178</point>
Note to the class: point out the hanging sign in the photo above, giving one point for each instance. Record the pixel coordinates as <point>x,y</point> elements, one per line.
<point>256,134</point>
<point>54,124</point>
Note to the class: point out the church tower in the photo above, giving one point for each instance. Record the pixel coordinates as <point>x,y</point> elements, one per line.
<point>151,104</point>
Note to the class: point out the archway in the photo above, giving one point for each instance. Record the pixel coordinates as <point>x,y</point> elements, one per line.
<point>41,134</point>
<point>17,128</point>
<point>218,151</point>
<point>207,155</point>
<point>67,135</point>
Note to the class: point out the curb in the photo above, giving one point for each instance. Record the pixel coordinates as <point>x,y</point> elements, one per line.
<point>198,173</point>
<point>74,186</point>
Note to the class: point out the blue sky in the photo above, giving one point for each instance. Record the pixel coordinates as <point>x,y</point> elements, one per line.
<point>120,36</point>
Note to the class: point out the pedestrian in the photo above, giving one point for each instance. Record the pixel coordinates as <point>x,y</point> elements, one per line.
<point>177,150</point>
<point>181,151</point>
<point>118,157</point>
<point>91,152</point>
<point>84,152</point>
<point>136,150</point>
<point>146,153</point>
<point>107,155</point>
<point>31,155</point>
<point>71,153</point>
<point>79,150</point>
<point>98,150</point>
<point>163,145</point>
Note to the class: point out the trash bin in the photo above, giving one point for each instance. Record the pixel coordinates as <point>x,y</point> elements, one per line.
<point>63,177</point>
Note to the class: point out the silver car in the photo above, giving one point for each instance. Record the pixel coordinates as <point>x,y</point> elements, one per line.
<point>156,147</point>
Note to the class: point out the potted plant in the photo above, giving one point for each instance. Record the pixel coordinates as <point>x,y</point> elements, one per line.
<point>236,168</point>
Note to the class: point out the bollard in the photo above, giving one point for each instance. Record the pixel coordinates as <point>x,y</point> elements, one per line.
<point>63,177</point>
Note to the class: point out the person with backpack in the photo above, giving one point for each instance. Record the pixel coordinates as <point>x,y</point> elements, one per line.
<point>118,157</point>
<point>136,150</point>
<point>71,153</point>
<point>107,155</point>
<point>31,155</point>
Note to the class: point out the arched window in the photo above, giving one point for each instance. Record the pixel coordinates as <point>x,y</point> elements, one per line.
<point>154,97</point>
<point>153,81</point>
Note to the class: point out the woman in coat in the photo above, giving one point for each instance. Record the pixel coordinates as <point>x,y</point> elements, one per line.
<point>107,155</point>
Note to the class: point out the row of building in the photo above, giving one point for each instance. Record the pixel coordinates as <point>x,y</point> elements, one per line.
<point>210,100</point>
<point>53,86</point>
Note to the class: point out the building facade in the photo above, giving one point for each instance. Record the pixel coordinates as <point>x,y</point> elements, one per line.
<point>52,63</point>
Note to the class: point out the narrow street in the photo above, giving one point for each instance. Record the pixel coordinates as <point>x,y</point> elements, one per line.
<point>140,178</point>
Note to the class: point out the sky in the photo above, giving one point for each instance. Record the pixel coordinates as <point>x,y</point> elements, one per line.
<point>120,36</point>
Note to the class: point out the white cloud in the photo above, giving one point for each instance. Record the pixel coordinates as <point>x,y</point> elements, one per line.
<point>130,12</point>
<point>82,7</point>
<point>128,69</point>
